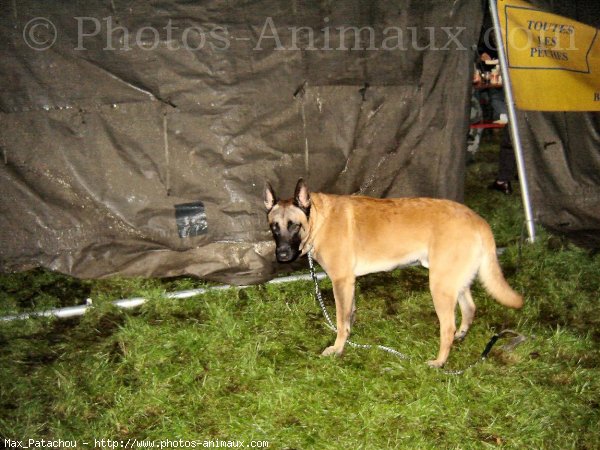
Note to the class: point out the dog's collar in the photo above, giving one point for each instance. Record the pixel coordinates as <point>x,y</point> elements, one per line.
<point>306,249</point>
<point>306,245</point>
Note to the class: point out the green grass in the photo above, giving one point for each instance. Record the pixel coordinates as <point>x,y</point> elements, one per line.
<point>245,364</point>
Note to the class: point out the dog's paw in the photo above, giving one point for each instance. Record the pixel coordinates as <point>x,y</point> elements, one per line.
<point>460,335</point>
<point>436,364</point>
<point>332,350</point>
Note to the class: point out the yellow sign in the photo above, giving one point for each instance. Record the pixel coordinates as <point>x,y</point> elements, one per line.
<point>554,62</point>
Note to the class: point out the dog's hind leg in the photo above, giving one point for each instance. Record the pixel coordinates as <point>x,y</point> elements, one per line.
<point>453,262</point>
<point>467,311</point>
<point>444,301</point>
<point>343,291</point>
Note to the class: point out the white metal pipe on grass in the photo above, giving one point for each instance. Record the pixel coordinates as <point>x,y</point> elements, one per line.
<point>129,303</point>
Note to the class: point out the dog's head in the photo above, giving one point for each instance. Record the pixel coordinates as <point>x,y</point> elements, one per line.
<point>288,220</point>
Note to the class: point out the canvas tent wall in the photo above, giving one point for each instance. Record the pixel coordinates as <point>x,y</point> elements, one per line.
<point>562,154</point>
<point>139,140</point>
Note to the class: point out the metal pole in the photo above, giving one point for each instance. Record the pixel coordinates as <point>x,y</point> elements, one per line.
<point>127,303</point>
<point>514,126</point>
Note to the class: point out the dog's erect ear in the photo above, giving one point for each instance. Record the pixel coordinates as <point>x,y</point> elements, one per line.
<point>270,198</point>
<point>302,196</point>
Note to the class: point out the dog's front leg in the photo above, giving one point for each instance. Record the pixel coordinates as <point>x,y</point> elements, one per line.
<point>343,291</point>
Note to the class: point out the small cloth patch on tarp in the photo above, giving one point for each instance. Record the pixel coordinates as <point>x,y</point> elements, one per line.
<point>191,219</point>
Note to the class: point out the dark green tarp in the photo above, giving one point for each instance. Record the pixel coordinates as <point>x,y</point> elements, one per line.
<point>141,117</point>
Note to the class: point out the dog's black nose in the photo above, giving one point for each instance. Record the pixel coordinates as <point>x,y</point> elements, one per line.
<point>283,254</point>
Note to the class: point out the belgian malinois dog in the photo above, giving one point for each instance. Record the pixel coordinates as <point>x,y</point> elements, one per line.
<point>355,235</point>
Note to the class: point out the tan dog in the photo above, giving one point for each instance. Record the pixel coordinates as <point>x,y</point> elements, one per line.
<point>353,235</point>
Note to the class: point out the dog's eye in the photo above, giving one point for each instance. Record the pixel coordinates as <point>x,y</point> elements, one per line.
<point>293,227</point>
<point>275,228</point>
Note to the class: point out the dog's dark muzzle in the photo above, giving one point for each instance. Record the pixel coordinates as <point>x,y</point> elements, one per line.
<point>286,254</point>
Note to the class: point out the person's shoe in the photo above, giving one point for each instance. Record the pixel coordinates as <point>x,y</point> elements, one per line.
<point>503,120</point>
<point>503,186</point>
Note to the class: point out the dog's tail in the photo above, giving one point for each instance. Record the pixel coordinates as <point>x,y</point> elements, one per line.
<point>491,276</point>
